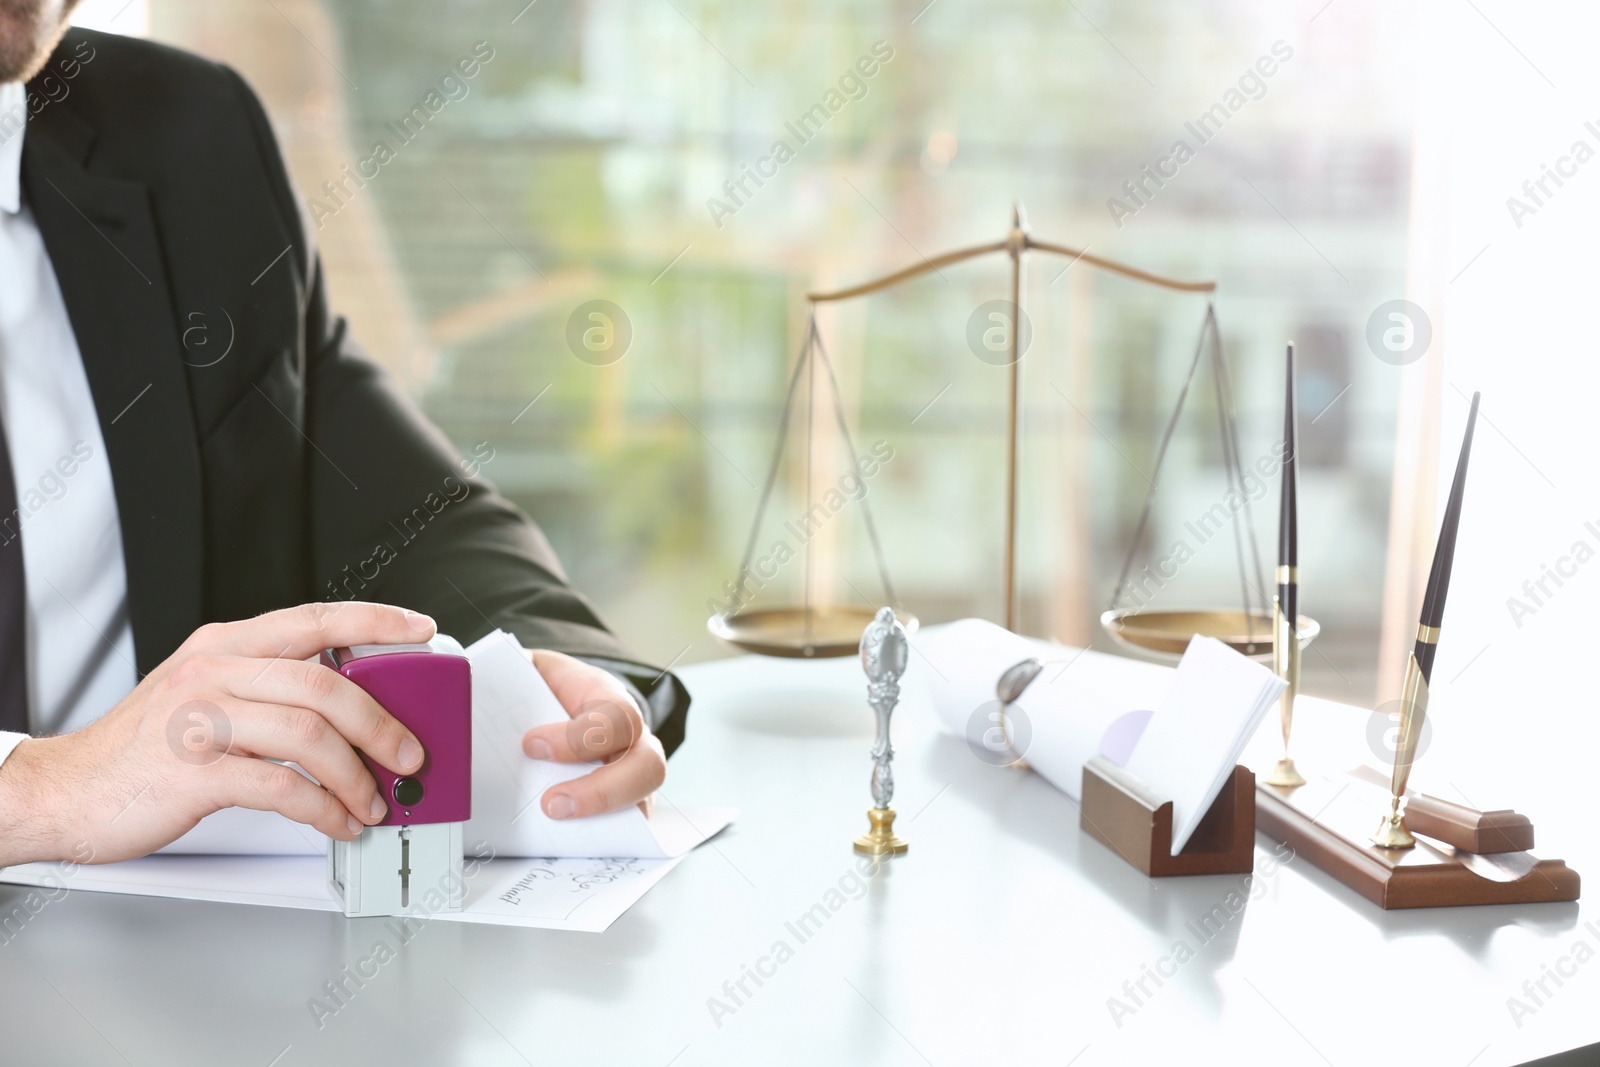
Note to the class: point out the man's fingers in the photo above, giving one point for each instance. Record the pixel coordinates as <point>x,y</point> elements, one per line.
<point>295,633</point>
<point>597,729</point>
<point>608,788</point>
<point>255,783</point>
<point>606,726</point>
<point>281,732</point>
<point>360,720</point>
<point>605,719</point>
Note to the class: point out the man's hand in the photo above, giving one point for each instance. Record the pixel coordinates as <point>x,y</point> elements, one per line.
<point>606,725</point>
<point>199,732</point>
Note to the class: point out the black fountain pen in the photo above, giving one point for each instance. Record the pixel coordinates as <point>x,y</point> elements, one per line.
<point>1286,605</point>
<point>1392,832</point>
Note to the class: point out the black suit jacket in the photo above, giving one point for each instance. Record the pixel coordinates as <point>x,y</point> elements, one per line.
<point>292,469</point>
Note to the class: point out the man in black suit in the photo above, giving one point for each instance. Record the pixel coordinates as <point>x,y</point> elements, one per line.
<point>251,490</point>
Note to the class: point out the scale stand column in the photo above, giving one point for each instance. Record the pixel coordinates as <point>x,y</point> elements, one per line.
<point>1016,244</point>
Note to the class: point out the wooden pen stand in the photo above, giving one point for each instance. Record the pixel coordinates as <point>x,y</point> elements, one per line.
<point>1120,810</point>
<point>1460,857</point>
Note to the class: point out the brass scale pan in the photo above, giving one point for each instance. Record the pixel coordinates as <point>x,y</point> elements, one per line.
<point>1167,633</point>
<point>832,631</point>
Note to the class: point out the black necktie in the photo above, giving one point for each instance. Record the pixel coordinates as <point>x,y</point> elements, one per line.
<point>13,605</point>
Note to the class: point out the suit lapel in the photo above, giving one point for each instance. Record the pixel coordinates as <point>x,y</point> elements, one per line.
<point>102,239</point>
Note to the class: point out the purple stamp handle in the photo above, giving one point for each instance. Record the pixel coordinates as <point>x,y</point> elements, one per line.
<point>430,691</point>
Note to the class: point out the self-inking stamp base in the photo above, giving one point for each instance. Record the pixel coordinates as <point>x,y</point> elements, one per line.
<point>393,870</point>
<point>412,860</point>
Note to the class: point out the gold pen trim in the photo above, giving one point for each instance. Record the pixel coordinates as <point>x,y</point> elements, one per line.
<point>1287,574</point>
<point>1392,832</point>
<point>1428,634</point>
<point>1286,664</point>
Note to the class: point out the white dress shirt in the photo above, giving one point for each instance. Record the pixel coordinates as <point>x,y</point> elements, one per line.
<point>80,640</point>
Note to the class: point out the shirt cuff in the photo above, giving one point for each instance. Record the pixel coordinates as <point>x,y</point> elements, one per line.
<point>618,670</point>
<point>9,741</point>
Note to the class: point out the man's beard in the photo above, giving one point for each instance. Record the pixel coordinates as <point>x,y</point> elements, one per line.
<point>29,30</point>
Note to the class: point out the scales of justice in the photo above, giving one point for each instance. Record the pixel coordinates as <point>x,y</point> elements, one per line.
<point>827,630</point>
<point>813,630</point>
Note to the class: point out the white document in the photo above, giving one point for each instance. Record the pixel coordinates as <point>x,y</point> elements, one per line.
<point>509,697</point>
<point>1081,705</point>
<point>559,894</point>
<point>247,832</point>
<point>582,895</point>
<point>1217,699</point>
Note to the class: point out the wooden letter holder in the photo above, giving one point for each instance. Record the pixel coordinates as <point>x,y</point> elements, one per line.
<point>1121,811</point>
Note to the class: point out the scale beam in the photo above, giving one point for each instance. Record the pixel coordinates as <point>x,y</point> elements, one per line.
<point>928,266</point>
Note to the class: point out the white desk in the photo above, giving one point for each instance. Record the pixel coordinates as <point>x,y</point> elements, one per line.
<point>999,938</point>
